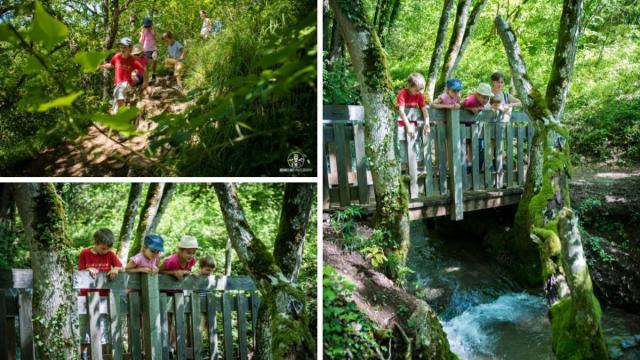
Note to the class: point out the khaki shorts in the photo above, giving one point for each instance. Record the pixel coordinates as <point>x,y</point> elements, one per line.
<point>177,65</point>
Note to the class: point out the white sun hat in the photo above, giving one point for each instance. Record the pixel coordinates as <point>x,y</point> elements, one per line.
<point>188,242</point>
<point>484,89</point>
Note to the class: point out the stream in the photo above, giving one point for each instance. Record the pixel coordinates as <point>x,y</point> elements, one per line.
<point>485,314</point>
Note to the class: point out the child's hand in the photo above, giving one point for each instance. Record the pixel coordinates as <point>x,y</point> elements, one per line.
<point>145,270</point>
<point>426,129</point>
<point>411,130</point>
<point>456,106</point>
<point>113,274</point>
<point>154,270</point>
<point>180,274</point>
<point>93,272</point>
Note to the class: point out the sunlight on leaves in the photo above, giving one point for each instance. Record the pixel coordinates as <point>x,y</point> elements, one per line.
<point>47,29</point>
<point>61,101</point>
<point>90,60</point>
<point>122,122</point>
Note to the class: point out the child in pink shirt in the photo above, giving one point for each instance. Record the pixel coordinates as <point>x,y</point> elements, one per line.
<point>476,102</point>
<point>450,99</point>
<point>148,41</point>
<point>180,263</point>
<point>146,261</point>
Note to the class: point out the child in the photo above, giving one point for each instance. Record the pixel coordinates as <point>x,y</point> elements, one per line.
<point>450,99</point>
<point>206,28</point>
<point>411,97</point>
<point>95,259</point>
<point>496,103</point>
<point>124,64</point>
<point>477,101</point>
<point>207,265</point>
<point>175,59</point>
<point>179,264</point>
<point>148,41</point>
<point>146,261</point>
<point>138,77</point>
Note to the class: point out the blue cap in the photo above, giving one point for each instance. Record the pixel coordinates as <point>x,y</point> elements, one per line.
<point>154,242</point>
<point>146,22</point>
<point>454,84</point>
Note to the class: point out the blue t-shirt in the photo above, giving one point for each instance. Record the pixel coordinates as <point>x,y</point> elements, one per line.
<point>174,50</point>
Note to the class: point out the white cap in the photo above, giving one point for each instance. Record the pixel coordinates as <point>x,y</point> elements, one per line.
<point>188,242</point>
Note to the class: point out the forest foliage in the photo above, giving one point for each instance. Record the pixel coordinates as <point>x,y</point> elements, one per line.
<point>603,99</point>
<point>254,83</point>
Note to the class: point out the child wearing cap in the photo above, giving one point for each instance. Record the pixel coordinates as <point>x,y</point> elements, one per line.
<point>450,98</point>
<point>180,263</point>
<point>124,64</point>
<point>138,77</point>
<point>476,102</point>
<point>148,42</point>
<point>146,261</point>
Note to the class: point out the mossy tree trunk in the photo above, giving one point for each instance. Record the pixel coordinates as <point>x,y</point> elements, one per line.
<point>544,215</point>
<point>462,14</point>
<point>292,228</point>
<point>149,210</point>
<point>565,56</point>
<point>167,194</point>
<point>371,70</point>
<point>436,56</point>
<point>283,330</point>
<point>54,300</point>
<point>130,213</point>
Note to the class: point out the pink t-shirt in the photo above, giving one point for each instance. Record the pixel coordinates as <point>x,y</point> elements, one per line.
<point>472,102</point>
<point>448,100</point>
<point>148,40</point>
<point>173,263</point>
<point>141,261</point>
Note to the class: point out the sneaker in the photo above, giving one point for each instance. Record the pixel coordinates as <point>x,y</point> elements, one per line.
<point>178,87</point>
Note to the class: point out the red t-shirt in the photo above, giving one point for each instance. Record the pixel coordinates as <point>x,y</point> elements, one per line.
<point>103,263</point>
<point>409,101</point>
<point>124,67</point>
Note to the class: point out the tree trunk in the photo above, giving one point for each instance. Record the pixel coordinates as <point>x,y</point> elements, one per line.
<point>283,332</point>
<point>468,31</point>
<point>462,13</point>
<point>544,215</point>
<point>154,194</point>
<point>565,56</point>
<point>337,43</point>
<point>292,228</point>
<point>54,300</point>
<point>228,257</point>
<point>370,66</point>
<point>436,56</point>
<point>167,194</point>
<point>130,213</point>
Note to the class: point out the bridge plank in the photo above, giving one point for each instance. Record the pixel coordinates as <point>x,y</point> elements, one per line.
<point>427,146</point>
<point>164,325</point>
<point>521,130</point>
<point>227,303</point>
<point>4,324</point>
<point>117,345</point>
<point>212,322</point>
<point>135,343</point>
<point>342,170</point>
<point>242,326</point>
<point>151,316</point>
<point>95,333</point>
<point>510,155</point>
<point>487,135</point>
<point>475,151</point>
<point>463,155</point>
<point>412,163</point>
<point>442,158</point>
<point>195,325</point>
<point>326,201</point>
<point>454,155</point>
<point>343,112</point>
<point>500,126</point>
<point>181,331</point>
<point>26,324</point>
<point>361,164</point>
<point>83,280</point>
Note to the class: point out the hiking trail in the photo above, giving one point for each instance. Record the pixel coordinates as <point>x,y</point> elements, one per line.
<point>102,152</point>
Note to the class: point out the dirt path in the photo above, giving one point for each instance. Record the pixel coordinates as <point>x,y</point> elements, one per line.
<point>102,153</point>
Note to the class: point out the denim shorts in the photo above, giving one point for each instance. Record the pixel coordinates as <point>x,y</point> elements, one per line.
<point>151,54</point>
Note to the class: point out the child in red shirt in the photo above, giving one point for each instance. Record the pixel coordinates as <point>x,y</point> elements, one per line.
<point>124,64</point>
<point>95,259</point>
<point>411,97</point>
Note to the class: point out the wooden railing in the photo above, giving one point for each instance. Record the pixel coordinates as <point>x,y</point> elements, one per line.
<point>498,158</point>
<point>139,306</point>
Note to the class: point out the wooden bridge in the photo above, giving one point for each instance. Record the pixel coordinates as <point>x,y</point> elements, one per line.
<point>137,310</point>
<point>441,178</point>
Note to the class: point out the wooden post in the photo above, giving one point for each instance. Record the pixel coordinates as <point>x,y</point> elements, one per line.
<point>26,324</point>
<point>4,346</point>
<point>454,157</point>
<point>361,164</point>
<point>151,316</point>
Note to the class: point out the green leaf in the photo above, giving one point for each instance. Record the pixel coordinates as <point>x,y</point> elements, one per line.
<point>7,35</point>
<point>61,101</point>
<point>90,60</point>
<point>122,122</point>
<point>47,29</point>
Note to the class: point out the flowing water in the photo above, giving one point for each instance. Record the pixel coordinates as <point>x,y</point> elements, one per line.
<point>484,312</point>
